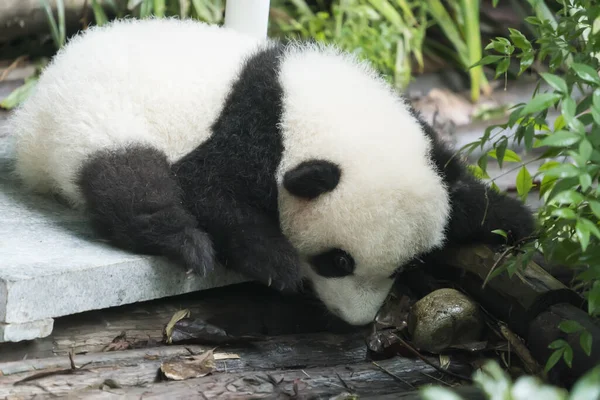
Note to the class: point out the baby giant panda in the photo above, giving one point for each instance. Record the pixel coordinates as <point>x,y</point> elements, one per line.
<point>287,162</point>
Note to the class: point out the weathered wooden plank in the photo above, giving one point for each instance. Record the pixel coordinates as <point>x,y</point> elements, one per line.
<point>315,361</point>
<point>362,380</point>
<point>290,351</point>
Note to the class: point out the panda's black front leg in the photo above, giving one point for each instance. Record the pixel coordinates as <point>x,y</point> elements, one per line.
<point>248,240</point>
<point>259,250</point>
<point>477,210</point>
<point>135,202</point>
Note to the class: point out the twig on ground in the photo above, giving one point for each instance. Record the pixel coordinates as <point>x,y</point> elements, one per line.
<point>12,66</point>
<point>530,364</point>
<point>393,375</point>
<point>438,368</point>
<point>69,371</point>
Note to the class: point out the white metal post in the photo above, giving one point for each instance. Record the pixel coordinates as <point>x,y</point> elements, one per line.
<point>248,16</point>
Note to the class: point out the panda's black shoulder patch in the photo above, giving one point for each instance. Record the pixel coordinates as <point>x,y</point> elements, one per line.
<point>229,181</point>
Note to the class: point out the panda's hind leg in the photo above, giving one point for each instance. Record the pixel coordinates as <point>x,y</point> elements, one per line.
<point>135,202</point>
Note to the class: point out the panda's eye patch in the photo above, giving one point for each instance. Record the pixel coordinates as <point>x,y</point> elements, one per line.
<point>333,263</point>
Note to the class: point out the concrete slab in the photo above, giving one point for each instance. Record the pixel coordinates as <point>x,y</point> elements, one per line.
<point>52,264</point>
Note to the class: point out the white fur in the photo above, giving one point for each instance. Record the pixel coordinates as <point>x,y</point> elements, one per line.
<point>159,81</point>
<point>164,82</point>
<point>389,205</point>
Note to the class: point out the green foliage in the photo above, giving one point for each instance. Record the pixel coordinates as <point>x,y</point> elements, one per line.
<point>386,34</point>
<point>569,217</point>
<point>496,384</point>
<point>57,29</point>
<point>390,33</point>
<point>210,11</point>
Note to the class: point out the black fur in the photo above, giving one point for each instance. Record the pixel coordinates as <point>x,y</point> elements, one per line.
<point>476,209</point>
<point>135,201</point>
<point>235,196</point>
<point>312,178</point>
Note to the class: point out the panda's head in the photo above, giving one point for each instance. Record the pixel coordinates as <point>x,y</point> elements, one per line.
<point>359,195</point>
<point>356,226</point>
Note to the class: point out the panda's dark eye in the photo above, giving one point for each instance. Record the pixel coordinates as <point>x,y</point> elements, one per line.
<point>333,263</point>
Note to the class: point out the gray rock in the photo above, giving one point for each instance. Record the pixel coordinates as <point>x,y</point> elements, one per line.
<point>444,318</point>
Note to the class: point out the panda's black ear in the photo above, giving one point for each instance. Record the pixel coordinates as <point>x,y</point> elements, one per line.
<point>312,178</point>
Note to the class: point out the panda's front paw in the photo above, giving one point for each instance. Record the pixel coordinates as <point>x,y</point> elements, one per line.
<point>272,261</point>
<point>284,277</point>
<point>197,251</point>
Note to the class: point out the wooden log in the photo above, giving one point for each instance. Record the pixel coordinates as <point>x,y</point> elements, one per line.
<point>532,303</point>
<point>320,356</point>
<point>543,330</point>
<point>517,300</point>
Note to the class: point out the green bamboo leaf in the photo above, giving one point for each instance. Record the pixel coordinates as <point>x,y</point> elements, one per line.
<point>564,213</point>
<point>586,73</point>
<point>560,139</point>
<point>585,340</point>
<point>500,232</point>
<point>502,67</point>
<point>585,180</point>
<point>568,197</point>
<point>519,39</point>
<point>593,228</point>
<point>563,171</point>
<point>539,103</point>
<point>524,182</point>
<point>553,359</point>
<point>583,234</point>
<point>596,98</point>
<point>487,60</point>
<point>568,356</point>
<point>509,155</point>
<point>558,344</point>
<point>595,206</point>
<point>500,151</point>
<point>570,326</point>
<point>585,149</point>
<point>548,165</point>
<point>527,59</point>
<point>568,109</point>
<point>556,82</point>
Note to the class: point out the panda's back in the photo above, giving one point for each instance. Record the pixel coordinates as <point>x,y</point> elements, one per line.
<point>162,82</point>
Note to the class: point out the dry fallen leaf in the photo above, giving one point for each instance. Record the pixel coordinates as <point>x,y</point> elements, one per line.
<point>226,356</point>
<point>118,343</point>
<point>444,361</point>
<point>179,315</point>
<point>193,367</point>
<point>198,331</point>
